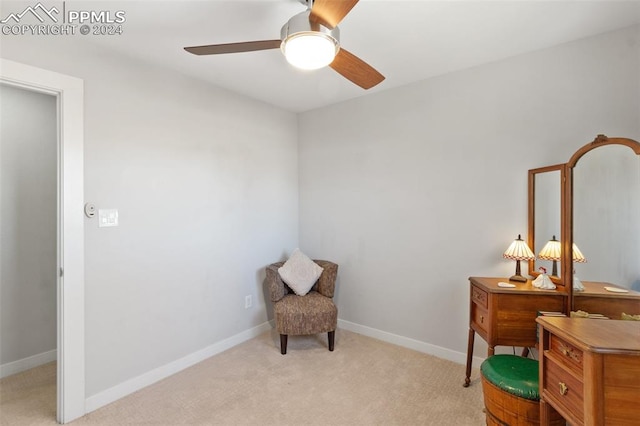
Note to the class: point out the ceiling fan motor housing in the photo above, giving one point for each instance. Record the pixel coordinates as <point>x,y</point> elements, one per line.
<point>300,25</point>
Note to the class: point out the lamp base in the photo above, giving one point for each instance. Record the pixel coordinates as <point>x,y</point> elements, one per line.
<point>577,284</point>
<point>518,278</point>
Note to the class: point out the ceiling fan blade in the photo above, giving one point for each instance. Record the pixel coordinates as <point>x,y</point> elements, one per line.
<point>331,12</point>
<point>356,70</point>
<point>247,46</point>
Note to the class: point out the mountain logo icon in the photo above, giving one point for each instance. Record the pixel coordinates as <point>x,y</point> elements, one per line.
<point>39,11</point>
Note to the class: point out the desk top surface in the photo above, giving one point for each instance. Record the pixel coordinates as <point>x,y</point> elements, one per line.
<point>592,288</point>
<point>596,335</point>
<point>491,285</point>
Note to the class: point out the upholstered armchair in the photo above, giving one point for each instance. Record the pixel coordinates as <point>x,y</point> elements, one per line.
<point>312,313</point>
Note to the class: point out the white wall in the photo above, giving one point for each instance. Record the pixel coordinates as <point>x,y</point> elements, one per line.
<point>205,182</point>
<point>420,187</point>
<point>28,144</point>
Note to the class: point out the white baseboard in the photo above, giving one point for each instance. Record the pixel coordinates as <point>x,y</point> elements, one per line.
<point>27,363</point>
<point>110,395</point>
<point>407,342</point>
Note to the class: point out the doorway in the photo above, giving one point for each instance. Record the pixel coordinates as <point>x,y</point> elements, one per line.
<point>28,226</point>
<point>69,247</point>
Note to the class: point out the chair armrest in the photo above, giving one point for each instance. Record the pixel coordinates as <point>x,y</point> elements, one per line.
<point>276,285</point>
<point>327,281</point>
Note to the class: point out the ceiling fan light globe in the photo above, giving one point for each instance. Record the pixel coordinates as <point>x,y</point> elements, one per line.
<point>310,50</point>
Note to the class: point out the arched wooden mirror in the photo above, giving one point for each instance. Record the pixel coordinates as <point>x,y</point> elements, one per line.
<point>602,218</point>
<point>545,215</point>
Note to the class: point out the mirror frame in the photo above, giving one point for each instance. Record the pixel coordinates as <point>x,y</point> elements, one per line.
<point>532,212</point>
<point>567,206</point>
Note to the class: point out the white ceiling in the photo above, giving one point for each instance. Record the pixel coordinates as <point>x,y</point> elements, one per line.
<point>406,41</point>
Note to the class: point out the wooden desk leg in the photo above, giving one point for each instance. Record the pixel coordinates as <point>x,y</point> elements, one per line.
<point>545,413</point>
<point>467,379</point>
<point>491,350</point>
<point>525,352</point>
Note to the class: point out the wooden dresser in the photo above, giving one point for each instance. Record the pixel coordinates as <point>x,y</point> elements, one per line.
<point>590,370</point>
<point>506,316</point>
<point>595,299</point>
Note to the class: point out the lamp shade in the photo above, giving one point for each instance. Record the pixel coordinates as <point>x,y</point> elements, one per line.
<point>551,250</point>
<point>307,44</point>
<point>578,257</point>
<point>519,250</point>
<point>310,50</point>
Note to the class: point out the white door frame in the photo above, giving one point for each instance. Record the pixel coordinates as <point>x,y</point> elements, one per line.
<point>70,283</point>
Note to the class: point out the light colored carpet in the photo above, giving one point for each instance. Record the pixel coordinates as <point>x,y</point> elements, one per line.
<point>363,382</point>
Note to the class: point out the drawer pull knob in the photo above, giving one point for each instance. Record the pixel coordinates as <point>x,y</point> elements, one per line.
<point>482,318</point>
<point>567,351</point>
<point>563,388</point>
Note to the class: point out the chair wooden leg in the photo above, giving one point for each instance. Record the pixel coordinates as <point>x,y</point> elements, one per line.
<point>283,344</point>
<point>332,338</point>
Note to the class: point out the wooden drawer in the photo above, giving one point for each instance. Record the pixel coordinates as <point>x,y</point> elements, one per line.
<point>480,317</point>
<point>563,387</point>
<point>479,297</point>
<point>567,354</point>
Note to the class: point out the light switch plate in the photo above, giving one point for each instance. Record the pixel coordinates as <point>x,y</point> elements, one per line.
<point>107,217</point>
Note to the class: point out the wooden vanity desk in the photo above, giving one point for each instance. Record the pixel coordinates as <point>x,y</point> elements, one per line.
<point>595,299</point>
<point>590,370</point>
<point>506,316</point>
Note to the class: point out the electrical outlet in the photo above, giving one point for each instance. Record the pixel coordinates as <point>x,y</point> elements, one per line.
<point>247,301</point>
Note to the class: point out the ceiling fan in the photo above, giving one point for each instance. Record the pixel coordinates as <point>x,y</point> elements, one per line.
<point>310,40</point>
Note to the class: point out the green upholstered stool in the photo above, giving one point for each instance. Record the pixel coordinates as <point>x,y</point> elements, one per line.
<point>510,386</point>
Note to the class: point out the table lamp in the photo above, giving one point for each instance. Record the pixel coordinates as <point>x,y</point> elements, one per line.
<point>551,251</point>
<point>578,257</point>
<point>518,250</point>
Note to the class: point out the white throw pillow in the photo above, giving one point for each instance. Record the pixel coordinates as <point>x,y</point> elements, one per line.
<point>300,273</point>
